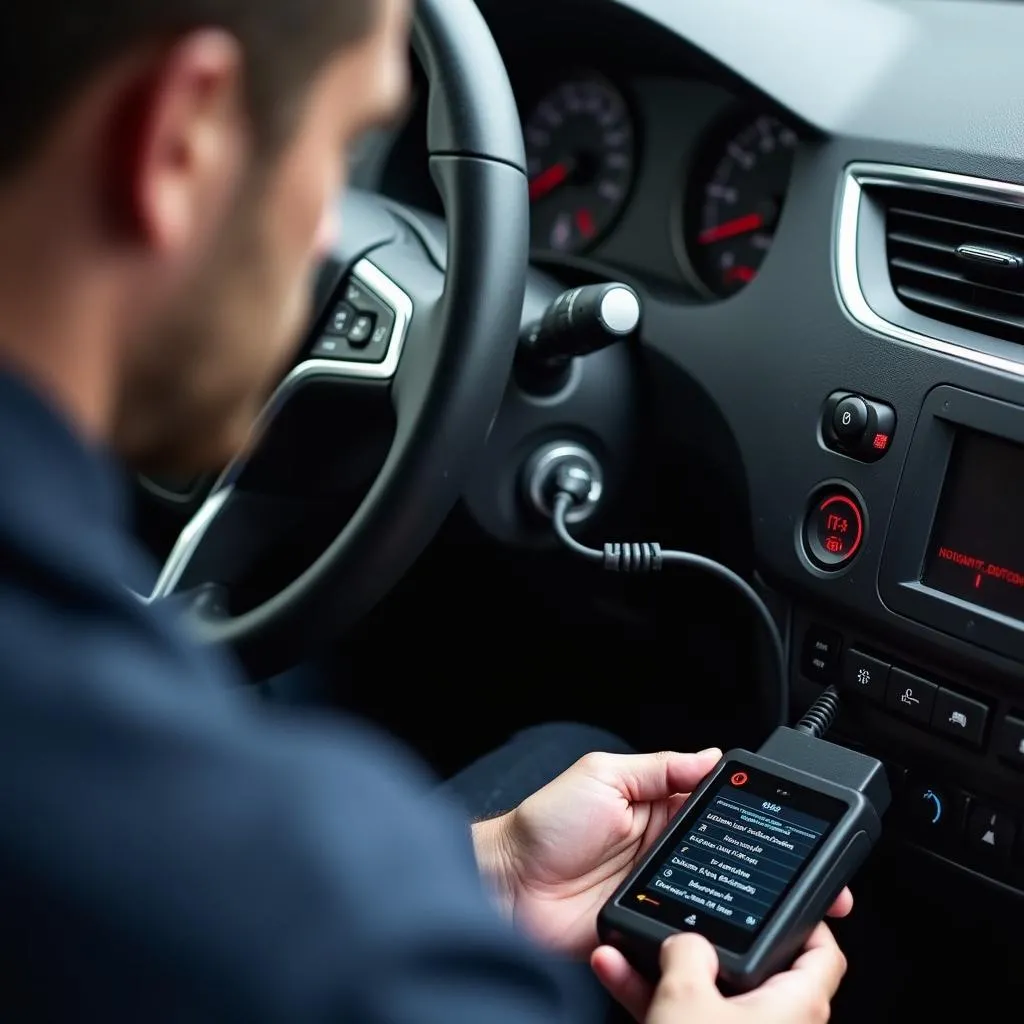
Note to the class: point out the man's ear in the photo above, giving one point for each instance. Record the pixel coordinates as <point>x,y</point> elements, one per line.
<point>182,149</point>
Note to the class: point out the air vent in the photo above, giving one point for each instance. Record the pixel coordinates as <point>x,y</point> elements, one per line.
<point>957,259</point>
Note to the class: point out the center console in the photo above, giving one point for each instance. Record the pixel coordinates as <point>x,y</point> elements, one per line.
<point>953,563</point>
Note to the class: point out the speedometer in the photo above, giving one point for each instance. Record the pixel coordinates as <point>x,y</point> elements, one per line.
<point>736,198</point>
<point>580,156</point>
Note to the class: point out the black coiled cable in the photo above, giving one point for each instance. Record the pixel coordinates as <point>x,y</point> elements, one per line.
<point>818,718</point>
<point>649,557</point>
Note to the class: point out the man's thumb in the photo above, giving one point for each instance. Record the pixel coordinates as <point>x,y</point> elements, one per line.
<point>689,967</point>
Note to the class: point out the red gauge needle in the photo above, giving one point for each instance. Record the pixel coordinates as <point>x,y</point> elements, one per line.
<point>547,181</point>
<point>731,228</point>
<point>585,223</point>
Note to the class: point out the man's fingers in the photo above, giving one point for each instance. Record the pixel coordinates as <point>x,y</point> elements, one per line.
<point>843,904</point>
<point>689,966</point>
<point>623,983</point>
<point>814,978</point>
<point>822,959</point>
<point>648,777</point>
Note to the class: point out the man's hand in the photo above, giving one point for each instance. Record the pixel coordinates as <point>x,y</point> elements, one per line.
<point>560,855</point>
<point>687,990</point>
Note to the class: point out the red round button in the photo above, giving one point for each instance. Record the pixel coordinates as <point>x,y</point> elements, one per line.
<point>834,529</point>
<point>739,778</point>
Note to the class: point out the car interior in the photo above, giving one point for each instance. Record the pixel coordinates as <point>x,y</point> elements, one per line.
<point>754,274</point>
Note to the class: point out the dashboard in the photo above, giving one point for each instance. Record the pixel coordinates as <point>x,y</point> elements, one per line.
<point>826,227</point>
<point>655,169</point>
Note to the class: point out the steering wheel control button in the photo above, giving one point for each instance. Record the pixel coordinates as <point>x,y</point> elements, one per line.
<point>819,660</point>
<point>865,675</point>
<point>1010,741</point>
<point>329,347</point>
<point>911,696</point>
<point>858,427</point>
<point>340,320</point>
<point>960,717</point>
<point>834,529</point>
<point>850,419</point>
<point>990,835</point>
<point>361,330</point>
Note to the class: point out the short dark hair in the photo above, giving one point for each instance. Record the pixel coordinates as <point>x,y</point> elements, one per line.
<point>50,49</point>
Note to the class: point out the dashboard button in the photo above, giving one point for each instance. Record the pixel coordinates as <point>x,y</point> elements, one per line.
<point>865,675</point>
<point>1010,742</point>
<point>960,717</point>
<point>850,419</point>
<point>819,659</point>
<point>834,529</point>
<point>911,696</point>
<point>859,427</point>
<point>990,836</point>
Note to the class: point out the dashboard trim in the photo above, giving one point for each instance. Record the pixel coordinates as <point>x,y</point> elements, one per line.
<point>856,177</point>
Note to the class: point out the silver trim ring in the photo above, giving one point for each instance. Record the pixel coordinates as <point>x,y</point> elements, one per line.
<point>546,460</point>
<point>858,175</point>
<point>374,280</point>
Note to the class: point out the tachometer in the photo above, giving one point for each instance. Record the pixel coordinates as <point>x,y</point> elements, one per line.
<point>580,158</point>
<point>735,202</point>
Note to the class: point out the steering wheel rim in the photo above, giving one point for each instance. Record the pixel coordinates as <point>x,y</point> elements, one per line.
<point>447,366</point>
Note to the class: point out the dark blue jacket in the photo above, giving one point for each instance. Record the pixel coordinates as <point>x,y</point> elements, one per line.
<point>172,850</point>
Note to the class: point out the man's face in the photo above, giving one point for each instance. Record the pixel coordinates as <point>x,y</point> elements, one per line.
<point>198,377</point>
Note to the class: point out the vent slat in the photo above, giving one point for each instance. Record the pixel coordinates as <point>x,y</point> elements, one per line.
<point>1012,238</point>
<point>923,231</point>
<point>914,296</point>
<point>919,242</point>
<point>955,280</point>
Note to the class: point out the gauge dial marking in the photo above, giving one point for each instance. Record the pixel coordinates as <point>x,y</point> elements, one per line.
<point>580,149</point>
<point>736,198</point>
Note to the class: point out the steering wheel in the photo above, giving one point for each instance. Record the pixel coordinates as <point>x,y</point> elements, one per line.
<point>441,341</point>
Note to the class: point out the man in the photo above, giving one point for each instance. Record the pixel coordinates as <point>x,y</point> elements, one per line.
<point>170,849</point>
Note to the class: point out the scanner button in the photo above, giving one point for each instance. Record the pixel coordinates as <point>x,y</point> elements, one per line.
<point>960,717</point>
<point>865,675</point>
<point>990,835</point>
<point>911,696</point>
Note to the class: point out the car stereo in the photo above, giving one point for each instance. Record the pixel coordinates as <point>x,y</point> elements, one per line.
<point>954,554</point>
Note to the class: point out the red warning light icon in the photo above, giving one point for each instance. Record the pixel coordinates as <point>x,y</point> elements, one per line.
<point>739,778</point>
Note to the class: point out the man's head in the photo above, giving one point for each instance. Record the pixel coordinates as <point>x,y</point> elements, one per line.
<point>167,173</point>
